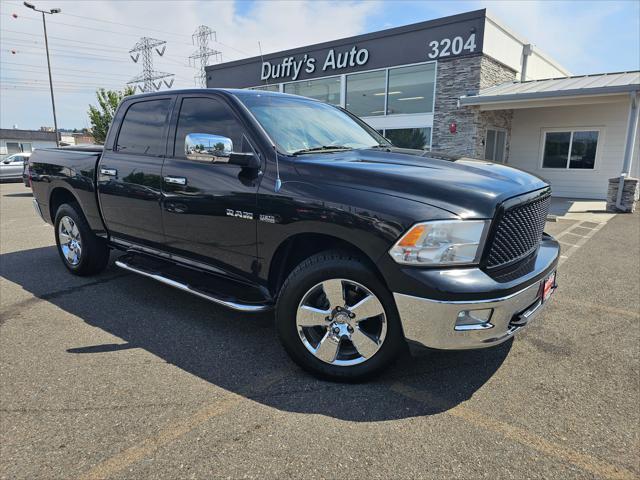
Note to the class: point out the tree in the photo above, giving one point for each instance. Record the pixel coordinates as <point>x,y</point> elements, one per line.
<point>102,115</point>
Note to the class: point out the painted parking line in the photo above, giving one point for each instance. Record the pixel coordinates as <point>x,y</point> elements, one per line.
<point>127,457</point>
<point>576,236</point>
<point>585,462</point>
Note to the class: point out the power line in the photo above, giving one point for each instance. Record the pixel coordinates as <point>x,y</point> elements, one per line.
<point>21,41</point>
<point>40,68</point>
<point>127,25</point>
<point>93,29</point>
<point>84,42</point>
<point>141,28</point>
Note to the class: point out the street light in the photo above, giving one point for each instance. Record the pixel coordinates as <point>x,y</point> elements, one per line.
<point>46,44</point>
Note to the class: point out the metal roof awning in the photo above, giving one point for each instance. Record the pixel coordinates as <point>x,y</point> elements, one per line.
<point>556,88</point>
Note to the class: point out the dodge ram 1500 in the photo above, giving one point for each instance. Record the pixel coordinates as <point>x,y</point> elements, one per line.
<point>257,200</point>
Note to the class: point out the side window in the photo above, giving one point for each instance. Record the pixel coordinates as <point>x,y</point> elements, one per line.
<point>210,116</point>
<point>142,128</point>
<point>13,147</point>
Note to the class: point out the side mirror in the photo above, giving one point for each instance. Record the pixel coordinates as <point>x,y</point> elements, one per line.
<point>245,160</point>
<point>207,148</point>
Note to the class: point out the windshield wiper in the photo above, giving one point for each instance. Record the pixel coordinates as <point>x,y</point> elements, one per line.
<point>323,148</point>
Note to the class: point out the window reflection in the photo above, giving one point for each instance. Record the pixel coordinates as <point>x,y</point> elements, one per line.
<point>418,138</point>
<point>411,89</point>
<point>365,93</point>
<point>326,90</point>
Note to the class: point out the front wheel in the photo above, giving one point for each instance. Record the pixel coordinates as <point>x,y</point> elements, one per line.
<point>82,252</point>
<point>336,319</point>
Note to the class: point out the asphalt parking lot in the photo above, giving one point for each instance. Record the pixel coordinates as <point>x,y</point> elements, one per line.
<point>116,376</point>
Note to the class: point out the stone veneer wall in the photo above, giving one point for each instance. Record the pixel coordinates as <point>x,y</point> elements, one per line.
<point>458,77</point>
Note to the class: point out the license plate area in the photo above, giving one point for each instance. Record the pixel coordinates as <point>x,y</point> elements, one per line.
<point>547,287</point>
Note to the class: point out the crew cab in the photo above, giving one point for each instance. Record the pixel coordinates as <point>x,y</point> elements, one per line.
<point>257,201</point>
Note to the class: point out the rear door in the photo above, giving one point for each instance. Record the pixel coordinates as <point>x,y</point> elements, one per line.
<point>211,216</point>
<point>130,172</point>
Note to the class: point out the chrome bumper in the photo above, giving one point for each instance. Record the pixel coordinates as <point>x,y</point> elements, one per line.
<point>432,323</point>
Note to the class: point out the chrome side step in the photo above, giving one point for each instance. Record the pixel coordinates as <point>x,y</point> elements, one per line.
<point>242,307</point>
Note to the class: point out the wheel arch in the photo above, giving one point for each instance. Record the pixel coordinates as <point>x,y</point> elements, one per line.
<point>59,196</point>
<point>298,247</point>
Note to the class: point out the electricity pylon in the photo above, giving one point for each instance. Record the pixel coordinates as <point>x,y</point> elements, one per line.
<point>201,38</point>
<point>150,79</point>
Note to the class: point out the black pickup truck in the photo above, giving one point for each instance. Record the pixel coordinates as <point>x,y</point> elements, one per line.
<point>256,200</point>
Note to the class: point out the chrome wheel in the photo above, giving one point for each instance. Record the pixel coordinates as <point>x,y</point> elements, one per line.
<point>341,322</point>
<point>70,240</point>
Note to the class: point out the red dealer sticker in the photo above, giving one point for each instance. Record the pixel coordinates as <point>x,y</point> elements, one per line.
<point>549,286</point>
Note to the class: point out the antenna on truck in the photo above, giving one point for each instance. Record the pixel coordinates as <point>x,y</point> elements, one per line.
<point>278,184</point>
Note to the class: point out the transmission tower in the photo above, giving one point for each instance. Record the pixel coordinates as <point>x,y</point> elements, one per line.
<point>201,39</point>
<point>150,79</point>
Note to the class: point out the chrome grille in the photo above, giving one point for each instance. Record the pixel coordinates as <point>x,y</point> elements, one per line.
<point>518,232</point>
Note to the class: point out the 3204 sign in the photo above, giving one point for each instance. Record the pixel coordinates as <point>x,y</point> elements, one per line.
<point>451,46</point>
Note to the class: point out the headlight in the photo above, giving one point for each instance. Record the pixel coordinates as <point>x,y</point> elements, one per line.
<point>441,242</point>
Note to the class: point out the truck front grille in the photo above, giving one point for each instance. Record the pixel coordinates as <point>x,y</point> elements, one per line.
<point>518,231</point>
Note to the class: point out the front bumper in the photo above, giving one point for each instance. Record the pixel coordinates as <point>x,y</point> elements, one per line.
<point>433,322</point>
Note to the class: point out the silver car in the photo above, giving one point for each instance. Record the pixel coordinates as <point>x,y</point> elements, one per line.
<point>11,167</point>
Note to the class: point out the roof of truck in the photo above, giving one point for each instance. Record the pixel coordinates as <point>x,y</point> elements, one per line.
<point>229,91</point>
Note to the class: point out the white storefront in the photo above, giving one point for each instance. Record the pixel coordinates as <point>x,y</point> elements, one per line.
<point>576,132</point>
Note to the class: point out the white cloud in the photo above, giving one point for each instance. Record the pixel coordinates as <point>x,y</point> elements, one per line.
<point>277,25</point>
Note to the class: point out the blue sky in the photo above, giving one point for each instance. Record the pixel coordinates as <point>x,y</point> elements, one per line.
<point>90,40</point>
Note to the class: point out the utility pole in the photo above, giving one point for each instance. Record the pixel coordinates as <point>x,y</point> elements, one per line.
<point>144,48</point>
<point>46,45</point>
<point>201,39</point>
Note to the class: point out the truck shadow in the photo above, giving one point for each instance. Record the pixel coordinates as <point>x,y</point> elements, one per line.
<point>239,352</point>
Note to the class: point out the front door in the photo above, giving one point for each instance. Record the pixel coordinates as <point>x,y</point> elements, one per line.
<point>209,208</point>
<point>130,174</point>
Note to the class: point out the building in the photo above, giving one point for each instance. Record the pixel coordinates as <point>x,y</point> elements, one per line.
<point>434,85</point>
<point>13,140</point>
<point>75,138</point>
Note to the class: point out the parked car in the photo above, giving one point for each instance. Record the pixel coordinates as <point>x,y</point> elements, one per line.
<point>258,200</point>
<point>12,167</point>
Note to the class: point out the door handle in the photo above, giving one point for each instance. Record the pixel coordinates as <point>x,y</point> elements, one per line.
<point>112,172</point>
<point>175,180</point>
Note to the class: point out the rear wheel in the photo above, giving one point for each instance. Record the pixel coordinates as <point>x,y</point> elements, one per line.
<point>82,252</point>
<point>336,318</point>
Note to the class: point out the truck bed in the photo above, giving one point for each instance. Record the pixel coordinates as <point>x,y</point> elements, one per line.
<point>69,172</point>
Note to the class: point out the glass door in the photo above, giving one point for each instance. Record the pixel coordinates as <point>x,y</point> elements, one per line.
<point>495,145</point>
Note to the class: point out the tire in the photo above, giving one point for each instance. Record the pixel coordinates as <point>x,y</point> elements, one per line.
<point>81,251</point>
<point>364,344</point>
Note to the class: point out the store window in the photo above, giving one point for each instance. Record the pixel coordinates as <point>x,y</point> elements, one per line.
<point>418,138</point>
<point>268,88</point>
<point>326,90</point>
<point>411,89</point>
<point>13,147</point>
<point>495,145</point>
<point>365,93</point>
<point>570,149</point>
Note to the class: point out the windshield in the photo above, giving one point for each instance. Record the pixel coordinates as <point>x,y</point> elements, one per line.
<point>298,125</point>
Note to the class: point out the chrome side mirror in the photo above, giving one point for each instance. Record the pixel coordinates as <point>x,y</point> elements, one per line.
<point>204,147</point>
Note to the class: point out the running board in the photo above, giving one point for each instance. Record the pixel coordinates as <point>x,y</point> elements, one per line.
<point>233,305</point>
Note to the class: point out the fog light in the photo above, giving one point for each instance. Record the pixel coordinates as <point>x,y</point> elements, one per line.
<point>474,319</point>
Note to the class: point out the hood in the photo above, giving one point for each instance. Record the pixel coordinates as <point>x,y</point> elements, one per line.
<point>468,188</point>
